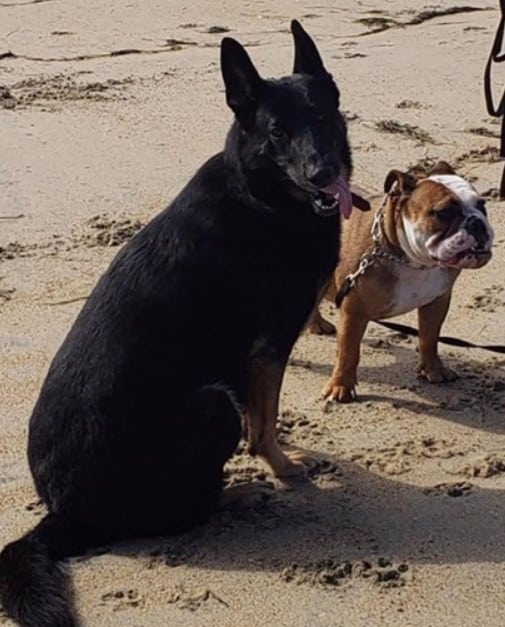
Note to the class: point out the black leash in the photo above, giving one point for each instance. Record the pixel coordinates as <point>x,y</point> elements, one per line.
<point>346,287</point>
<point>349,283</point>
<point>497,112</point>
<point>452,341</point>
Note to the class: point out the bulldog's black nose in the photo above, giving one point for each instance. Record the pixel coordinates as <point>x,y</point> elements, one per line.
<point>476,227</point>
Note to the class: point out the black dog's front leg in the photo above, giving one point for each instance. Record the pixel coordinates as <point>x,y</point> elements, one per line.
<point>261,414</point>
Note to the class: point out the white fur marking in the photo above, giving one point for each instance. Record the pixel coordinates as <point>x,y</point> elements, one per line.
<point>415,288</point>
<point>462,188</point>
<point>413,244</point>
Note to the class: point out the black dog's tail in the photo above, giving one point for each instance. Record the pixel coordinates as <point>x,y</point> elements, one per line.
<point>35,590</point>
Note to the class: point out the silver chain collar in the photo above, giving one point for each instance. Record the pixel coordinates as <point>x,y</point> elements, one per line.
<point>378,252</point>
<point>378,237</point>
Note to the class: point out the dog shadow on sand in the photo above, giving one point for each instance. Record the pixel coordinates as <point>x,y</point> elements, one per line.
<point>346,522</point>
<point>475,399</point>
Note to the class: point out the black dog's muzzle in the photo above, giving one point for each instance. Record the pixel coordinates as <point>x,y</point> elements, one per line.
<point>324,204</point>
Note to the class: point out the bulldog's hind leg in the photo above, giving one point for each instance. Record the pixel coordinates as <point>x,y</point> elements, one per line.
<point>431,318</point>
<point>319,325</point>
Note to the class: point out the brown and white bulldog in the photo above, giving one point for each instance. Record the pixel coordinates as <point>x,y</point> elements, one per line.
<point>425,231</point>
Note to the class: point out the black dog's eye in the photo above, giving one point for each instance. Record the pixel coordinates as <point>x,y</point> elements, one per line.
<point>277,132</point>
<point>320,117</point>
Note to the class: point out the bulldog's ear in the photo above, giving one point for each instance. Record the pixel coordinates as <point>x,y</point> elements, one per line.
<point>405,183</point>
<point>441,167</point>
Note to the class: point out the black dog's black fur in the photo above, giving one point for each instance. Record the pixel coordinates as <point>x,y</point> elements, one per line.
<point>142,404</point>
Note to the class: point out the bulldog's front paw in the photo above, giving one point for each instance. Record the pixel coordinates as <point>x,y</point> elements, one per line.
<point>335,391</point>
<point>436,373</point>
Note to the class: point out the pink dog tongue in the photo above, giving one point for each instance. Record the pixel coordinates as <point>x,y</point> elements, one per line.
<point>340,188</point>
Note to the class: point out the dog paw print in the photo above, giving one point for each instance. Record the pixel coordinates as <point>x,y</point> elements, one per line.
<point>122,599</point>
<point>325,573</point>
<point>35,507</point>
<point>326,472</point>
<point>490,300</point>
<point>488,466</point>
<point>191,600</point>
<point>462,488</point>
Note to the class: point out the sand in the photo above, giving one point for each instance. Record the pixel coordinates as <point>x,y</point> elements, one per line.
<point>106,110</point>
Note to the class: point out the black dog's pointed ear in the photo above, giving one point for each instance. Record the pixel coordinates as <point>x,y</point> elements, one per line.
<point>405,183</point>
<point>441,167</point>
<point>307,58</point>
<point>241,79</point>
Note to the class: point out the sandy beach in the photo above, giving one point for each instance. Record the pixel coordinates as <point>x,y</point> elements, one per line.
<point>106,110</point>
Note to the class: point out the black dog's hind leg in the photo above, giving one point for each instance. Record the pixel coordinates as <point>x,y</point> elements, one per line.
<point>215,417</point>
<point>220,418</point>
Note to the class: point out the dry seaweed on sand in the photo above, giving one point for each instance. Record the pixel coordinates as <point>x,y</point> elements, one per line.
<point>483,132</point>
<point>377,23</point>
<point>402,128</point>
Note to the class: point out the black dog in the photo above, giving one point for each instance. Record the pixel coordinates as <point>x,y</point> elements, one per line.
<point>190,327</point>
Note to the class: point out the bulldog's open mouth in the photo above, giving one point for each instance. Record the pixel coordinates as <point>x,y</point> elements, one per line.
<point>333,198</point>
<point>460,250</point>
<point>470,258</point>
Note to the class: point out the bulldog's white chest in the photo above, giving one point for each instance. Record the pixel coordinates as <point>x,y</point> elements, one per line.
<point>415,288</point>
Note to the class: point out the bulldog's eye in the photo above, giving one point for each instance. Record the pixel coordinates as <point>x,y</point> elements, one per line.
<point>481,206</point>
<point>445,214</point>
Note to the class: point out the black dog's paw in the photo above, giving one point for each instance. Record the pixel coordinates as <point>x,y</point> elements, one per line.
<point>247,495</point>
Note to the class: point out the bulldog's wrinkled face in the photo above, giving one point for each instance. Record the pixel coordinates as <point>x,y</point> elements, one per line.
<point>444,224</point>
